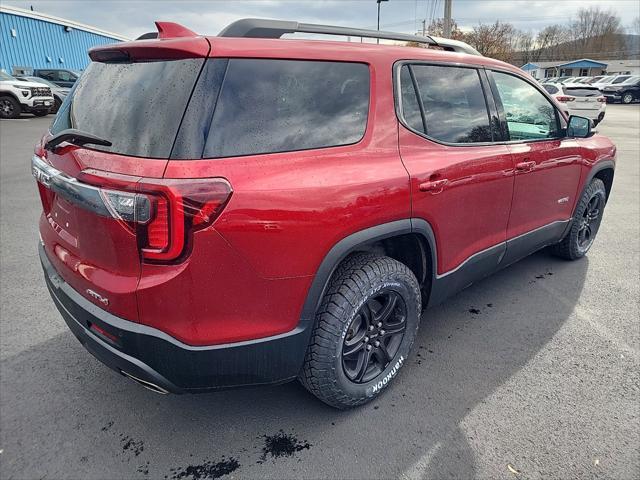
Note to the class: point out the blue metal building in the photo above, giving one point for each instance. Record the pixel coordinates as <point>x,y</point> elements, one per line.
<point>31,39</point>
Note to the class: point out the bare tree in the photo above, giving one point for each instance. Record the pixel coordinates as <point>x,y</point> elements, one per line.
<point>548,37</point>
<point>635,26</point>
<point>436,28</point>
<point>496,40</point>
<point>595,30</point>
<point>525,44</point>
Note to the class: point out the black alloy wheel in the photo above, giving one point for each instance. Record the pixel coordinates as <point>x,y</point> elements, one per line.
<point>374,336</point>
<point>589,222</point>
<point>585,224</point>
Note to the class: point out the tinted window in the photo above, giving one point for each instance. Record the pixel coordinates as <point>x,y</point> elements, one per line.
<point>267,106</point>
<point>529,114</point>
<point>410,108</point>
<point>453,102</point>
<point>582,91</point>
<point>550,88</point>
<point>136,106</point>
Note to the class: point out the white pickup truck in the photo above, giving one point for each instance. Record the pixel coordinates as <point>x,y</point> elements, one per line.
<point>17,97</point>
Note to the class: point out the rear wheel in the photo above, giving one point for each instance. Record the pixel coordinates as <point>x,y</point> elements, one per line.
<point>585,224</point>
<point>627,97</point>
<point>365,327</point>
<point>9,107</point>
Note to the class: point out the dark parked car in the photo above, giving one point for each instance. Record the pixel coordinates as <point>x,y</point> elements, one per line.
<point>232,210</point>
<point>59,93</point>
<point>625,92</point>
<point>59,76</point>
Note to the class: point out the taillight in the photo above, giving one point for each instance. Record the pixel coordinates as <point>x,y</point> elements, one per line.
<point>602,99</point>
<point>162,213</point>
<point>565,98</point>
<point>182,206</point>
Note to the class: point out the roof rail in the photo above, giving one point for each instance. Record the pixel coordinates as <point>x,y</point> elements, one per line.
<point>261,28</point>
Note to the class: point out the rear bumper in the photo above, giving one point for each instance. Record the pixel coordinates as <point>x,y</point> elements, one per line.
<point>152,357</point>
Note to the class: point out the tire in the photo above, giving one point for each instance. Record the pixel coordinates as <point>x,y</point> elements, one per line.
<point>586,223</point>
<point>56,105</point>
<point>627,98</point>
<point>41,113</point>
<point>9,107</point>
<point>362,289</point>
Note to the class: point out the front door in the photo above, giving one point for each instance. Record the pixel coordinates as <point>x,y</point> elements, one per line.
<point>547,164</point>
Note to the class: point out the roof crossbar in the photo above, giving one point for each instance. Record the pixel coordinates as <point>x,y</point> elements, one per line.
<point>261,28</point>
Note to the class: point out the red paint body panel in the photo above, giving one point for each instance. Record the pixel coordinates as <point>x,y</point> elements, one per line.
<point>247,275</point>
<point>471,211</point>
<point>547,193</point>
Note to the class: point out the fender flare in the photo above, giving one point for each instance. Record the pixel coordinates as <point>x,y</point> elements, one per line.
<point>350,244</point>
<point>598,167</point>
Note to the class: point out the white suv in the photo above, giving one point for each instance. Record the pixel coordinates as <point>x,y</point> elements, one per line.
<point>17,97</point>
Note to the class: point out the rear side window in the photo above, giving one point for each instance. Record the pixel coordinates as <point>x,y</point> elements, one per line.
<point>136,106</point>
<point>410,107</point>
<point>268,106</point>
<point>453,101</point>
<point>550,88</point>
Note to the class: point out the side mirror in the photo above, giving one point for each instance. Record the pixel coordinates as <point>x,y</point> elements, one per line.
<point>578,127</point>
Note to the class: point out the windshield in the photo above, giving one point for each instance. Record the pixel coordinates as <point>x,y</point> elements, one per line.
<point>5,76</point>
<point>136,106</point>
<point>631,80</point>
<point>39,80</point>
<point>620,79</point>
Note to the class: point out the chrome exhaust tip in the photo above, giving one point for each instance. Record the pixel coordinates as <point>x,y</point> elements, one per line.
<point>148,385</point>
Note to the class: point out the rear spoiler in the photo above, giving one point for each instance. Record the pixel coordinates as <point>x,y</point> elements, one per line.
<point>260,28</point>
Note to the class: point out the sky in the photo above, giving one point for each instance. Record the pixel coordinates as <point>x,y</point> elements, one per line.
<point>132,18</point>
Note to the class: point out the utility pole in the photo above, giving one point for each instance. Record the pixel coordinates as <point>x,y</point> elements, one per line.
<point>424,27</point>
<point>379,2</point>
<point>447,19</point>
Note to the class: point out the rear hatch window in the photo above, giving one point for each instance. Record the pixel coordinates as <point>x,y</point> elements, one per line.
<point>582,91</point>
<point>136,106</point>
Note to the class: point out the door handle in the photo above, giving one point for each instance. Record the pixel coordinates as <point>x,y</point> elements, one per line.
<point>436,186</point>
<point>525,166</point>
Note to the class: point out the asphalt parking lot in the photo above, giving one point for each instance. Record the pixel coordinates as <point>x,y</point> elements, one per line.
<point>532,373</point>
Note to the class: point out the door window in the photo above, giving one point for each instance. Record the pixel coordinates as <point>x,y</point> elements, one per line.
<point>453,101</point>
<point>64,76</point>
<point>530,115</point>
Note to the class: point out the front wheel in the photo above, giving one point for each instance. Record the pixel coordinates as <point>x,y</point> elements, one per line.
<point>585,224</point>
<point>627,98</point>
<point>41,113</point>
<point>9,107</point>
<point>364,330</point>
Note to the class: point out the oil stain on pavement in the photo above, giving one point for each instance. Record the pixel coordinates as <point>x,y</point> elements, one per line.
<point>281,445</point>
<point>208,470</point>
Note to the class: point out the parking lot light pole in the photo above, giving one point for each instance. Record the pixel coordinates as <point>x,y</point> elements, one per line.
<point>379,2</point>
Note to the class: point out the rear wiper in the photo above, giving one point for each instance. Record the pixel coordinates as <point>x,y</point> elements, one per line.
<point>77,137</point>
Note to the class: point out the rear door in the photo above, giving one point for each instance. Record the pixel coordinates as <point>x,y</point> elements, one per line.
<point>93,207</point>
<point>461,181</point>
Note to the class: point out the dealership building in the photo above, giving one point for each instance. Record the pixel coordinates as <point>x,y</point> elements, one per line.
<point>30,39</point>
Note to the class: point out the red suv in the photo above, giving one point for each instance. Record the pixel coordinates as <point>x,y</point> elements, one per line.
<point>243,209</point>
